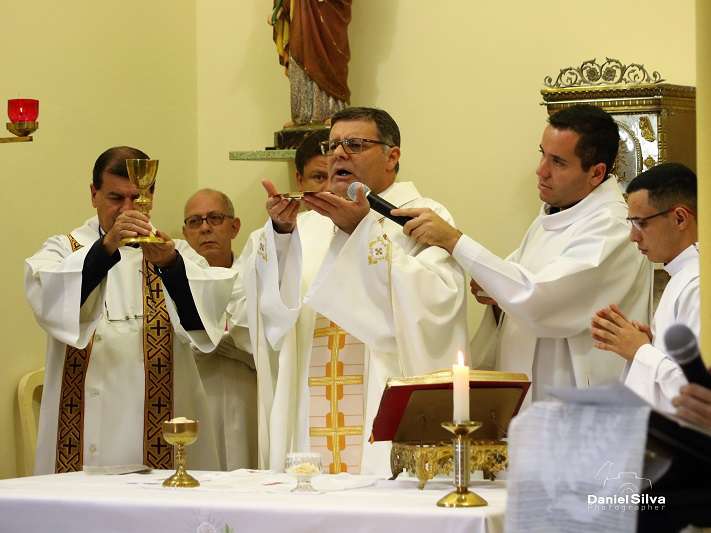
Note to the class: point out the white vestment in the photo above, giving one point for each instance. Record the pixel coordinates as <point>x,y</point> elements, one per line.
<point>569,265</point>
<point>114,386</point>
<point>403,300</point>
<point>652,374</point>
<point>230,380</point>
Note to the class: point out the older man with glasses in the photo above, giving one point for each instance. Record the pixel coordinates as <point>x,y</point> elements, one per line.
<point>662,217</point>
<point>339,300</point>
<point>228,373</point>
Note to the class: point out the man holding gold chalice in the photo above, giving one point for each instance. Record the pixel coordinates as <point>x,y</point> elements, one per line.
<point>121,302</point>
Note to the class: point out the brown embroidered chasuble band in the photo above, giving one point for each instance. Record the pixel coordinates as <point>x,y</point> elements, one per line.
<point>158,367</point>
<point>158,363</point>
<point>70,426</point>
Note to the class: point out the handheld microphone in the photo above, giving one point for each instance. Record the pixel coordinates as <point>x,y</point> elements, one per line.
<point>683,348</point>
<point>376,202</point>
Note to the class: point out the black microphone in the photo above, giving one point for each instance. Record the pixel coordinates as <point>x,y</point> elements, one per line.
<point>683,348</point>
<point>376,202</point>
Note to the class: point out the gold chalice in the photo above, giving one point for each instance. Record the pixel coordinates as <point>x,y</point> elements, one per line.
<point>142,174</point>
<point>180,434</point>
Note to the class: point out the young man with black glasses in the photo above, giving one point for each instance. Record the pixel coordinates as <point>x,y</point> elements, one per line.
<point>662,217</point>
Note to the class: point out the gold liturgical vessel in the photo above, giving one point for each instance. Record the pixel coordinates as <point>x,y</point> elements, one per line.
<point>180,434</point>
<point>142,174</point>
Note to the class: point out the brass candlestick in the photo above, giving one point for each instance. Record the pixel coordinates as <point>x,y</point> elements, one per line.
<point>460,496</point>
<point>180,434</point>
<point>142,174</point>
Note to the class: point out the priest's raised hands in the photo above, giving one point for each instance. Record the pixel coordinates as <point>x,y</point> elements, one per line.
<point>281,210</point>
<point>127,224</point>
<point>161,254</point>
<point>344,213</point>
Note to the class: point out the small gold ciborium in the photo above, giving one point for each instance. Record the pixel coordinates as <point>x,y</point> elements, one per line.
<point>180,434</point>
<point>460,496</point>
<point>142,174</point>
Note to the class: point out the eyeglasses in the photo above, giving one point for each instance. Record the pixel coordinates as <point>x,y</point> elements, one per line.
<point>639,223</point>
<point>350,146</point>
<point>214,219</point>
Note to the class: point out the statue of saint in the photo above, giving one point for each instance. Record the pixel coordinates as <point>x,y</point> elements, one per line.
<point>311,37</point>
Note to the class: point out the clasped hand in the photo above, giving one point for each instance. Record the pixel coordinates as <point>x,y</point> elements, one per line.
<point>134,224</point>
<point>613,332</point>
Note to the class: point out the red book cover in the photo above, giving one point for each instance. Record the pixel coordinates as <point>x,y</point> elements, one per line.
<point>413,408</point>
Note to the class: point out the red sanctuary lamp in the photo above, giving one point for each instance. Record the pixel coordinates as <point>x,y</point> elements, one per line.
<point>23,114</point>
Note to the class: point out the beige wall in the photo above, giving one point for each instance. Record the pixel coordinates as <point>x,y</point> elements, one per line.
<point>105,74</point>
<point>194,80</point>
<point>462,79</point>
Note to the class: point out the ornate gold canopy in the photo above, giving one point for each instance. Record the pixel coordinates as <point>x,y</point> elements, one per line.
<point>656,119</point>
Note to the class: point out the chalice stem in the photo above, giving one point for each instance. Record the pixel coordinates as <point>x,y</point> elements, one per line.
<point>180,458</point>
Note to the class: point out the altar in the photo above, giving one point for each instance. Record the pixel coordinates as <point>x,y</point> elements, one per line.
<point>240,501</point>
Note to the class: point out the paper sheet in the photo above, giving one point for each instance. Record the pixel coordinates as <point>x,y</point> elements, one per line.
<point>576,467</point>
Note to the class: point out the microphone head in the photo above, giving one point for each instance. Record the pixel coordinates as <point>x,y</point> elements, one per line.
<point>681,343</point>
<point>352,191</point>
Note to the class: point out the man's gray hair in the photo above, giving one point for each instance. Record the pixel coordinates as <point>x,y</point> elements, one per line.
<point>227,203</point>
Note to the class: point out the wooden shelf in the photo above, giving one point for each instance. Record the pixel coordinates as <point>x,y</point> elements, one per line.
<point>263,155</point>
<point>16,139</point>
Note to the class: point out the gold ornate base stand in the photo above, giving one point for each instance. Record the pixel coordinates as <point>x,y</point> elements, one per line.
<point>429,459</point>
<point>461,496</point>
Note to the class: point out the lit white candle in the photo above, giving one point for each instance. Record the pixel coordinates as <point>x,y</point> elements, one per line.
<point>460,386</point>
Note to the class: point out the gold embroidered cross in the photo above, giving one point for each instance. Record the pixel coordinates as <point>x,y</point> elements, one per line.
<point>335,429</point>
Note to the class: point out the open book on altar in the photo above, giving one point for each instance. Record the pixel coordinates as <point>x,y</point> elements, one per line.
<point>412,409</point>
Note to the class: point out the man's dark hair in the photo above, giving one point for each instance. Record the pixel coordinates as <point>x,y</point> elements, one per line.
<point>309,148</point>
<point>667,185</point>
<point>388,130</point>
<point>599,135</point>
<point>113,161</point>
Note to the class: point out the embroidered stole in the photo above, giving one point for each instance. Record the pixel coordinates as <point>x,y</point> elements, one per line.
<point>336,397</point>
<point>158,368</point>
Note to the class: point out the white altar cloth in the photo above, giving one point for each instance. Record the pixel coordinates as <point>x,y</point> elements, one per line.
<point>238,502</point>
